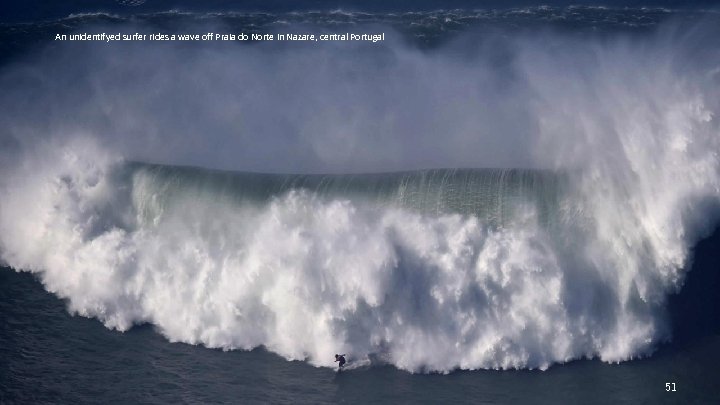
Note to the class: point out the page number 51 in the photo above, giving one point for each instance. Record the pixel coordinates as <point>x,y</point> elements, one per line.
<point>670,387</point>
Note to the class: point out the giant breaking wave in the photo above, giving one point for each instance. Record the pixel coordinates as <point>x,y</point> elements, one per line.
<point>428,270</point>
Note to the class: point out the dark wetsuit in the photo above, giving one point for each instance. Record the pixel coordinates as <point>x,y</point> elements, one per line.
<point>341,360</point>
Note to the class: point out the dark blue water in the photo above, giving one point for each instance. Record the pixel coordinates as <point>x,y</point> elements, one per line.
<point>49,356</point>
<point>38,9</point>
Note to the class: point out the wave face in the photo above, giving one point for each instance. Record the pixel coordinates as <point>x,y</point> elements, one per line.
<point>495,196</point>
<point>427,270</point>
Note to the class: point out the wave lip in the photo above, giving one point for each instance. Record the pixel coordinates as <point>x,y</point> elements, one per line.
<point>494,195</point>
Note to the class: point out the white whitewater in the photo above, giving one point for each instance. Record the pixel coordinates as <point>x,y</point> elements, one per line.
<point>308,274</point>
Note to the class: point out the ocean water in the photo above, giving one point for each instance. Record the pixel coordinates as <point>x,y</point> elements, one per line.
<point>50,356</point>
<point>501,204</point>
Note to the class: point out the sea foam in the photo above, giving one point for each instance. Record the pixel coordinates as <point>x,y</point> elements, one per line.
<point>629,129</point>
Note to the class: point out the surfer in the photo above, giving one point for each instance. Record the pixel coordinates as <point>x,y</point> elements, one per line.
<point>340,358</point>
